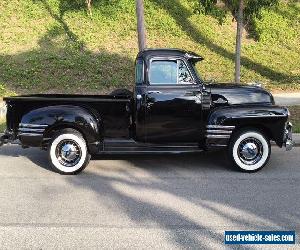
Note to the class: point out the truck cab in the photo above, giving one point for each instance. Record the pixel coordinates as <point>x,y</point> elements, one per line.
<point>168,97</point>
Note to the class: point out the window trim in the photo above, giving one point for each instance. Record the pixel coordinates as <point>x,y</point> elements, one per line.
<point>143,72</point>
<point>177,82</point>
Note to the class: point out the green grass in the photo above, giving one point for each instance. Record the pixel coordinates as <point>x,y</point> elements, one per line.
<point>295,118</point>
<point>53,46</point>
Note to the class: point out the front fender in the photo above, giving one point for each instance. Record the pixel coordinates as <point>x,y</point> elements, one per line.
<point>40,124</point>
<point>269,118</point>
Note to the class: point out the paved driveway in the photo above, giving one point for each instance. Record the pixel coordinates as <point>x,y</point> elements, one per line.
<point>143,202</point>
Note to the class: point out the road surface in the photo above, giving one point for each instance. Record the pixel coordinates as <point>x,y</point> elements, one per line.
<point>287,99</point>
<point>143,202</point>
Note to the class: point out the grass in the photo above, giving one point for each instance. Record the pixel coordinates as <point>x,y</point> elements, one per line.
<point>53,46</point>
<point>2,125</point>
<point>295,118</point>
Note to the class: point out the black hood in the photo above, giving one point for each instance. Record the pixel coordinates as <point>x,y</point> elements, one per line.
<point>239,94</point>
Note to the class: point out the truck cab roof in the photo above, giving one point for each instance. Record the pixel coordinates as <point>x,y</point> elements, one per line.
<point>147,53</point>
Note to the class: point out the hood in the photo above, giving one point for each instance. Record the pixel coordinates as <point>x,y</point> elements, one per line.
<point>231,94</point>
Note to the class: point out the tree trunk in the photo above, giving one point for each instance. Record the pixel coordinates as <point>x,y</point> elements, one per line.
<point>89,6</point>
<point>141,24</point>
<point>238,45</point>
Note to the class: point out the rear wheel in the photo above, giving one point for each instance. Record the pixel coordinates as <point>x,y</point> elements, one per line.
<point>249,150</point>
<point>68,152</point>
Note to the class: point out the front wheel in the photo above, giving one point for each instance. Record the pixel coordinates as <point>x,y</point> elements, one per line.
<point>68,152</point>
<point>249,150</point>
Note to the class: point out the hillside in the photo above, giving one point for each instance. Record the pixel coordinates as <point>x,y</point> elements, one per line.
<point>54,46</point>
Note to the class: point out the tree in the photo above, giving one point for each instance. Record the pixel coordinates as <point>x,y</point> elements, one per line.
<point>141,24</point>
<point>238,43</point>
<point>243,11</point>
<point>89,6</point>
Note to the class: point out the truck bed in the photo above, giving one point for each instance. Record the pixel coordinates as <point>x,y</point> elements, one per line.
<point>115,111</point>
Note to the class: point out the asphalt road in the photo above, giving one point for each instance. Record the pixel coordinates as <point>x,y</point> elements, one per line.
<point>143,202</point>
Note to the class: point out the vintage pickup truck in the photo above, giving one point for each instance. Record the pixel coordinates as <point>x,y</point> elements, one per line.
<point>171,110</point>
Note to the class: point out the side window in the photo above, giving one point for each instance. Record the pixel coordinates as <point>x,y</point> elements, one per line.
<point>139,72</point>
<point>163,72</point>
<point>169,72</point>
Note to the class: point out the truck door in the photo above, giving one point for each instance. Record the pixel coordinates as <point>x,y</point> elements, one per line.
<point>173,103</point>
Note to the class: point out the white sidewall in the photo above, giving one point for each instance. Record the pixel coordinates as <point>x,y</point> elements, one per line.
<point>80,141</point>
<point>264,157</point>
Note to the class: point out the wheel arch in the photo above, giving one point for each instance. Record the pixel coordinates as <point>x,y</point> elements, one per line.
<point>83,119</point>
<point>257,127</point>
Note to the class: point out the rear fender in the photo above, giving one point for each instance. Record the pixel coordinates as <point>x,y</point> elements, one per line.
<point>39,125</point>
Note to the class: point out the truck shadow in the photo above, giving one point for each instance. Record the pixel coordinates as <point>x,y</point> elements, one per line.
<point>215,160</point>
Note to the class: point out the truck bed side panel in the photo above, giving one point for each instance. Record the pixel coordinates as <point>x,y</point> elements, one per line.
<point>114,112</point>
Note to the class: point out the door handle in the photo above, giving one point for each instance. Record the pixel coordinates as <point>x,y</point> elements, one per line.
<point>154,92</point>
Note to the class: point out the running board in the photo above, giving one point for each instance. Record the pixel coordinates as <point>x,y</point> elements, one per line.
<point>132,147</point>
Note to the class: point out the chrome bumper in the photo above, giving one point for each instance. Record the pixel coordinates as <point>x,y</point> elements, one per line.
<point>288,140</point>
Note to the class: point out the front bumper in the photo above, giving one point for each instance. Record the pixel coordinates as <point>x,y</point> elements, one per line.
<point>288,139</point>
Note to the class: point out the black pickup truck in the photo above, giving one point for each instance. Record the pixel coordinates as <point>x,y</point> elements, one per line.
<point>171,110</point>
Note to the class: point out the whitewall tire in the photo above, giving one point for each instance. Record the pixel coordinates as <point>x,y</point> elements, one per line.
<point>249,150</point>
<point>68,152</point>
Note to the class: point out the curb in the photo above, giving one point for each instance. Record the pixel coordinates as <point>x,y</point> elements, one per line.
<point>3,109</point>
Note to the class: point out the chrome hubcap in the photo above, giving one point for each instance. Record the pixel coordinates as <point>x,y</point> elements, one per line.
<point>68,153</point>
<point>250,151</point>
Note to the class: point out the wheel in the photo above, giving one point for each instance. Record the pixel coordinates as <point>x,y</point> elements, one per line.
<point>68,152</point>
<point>249,150</point>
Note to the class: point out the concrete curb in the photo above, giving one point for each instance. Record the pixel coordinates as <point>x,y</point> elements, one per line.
<point>2,109</point>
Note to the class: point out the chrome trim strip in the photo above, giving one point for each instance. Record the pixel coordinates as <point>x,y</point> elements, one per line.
<point>29,134</point>
<point>219,131</point>
<point>217,145</point>
<point>218,136</point>
<point>32,130</point>
<point>256,116</point>
<point>28,125</point>
<point>219,127</point>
